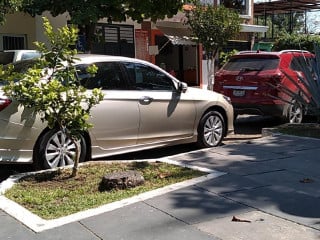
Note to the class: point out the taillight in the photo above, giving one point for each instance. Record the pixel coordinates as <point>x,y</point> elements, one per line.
<point>4,102</point>
<point>277,78</point>
<point>273,84</point>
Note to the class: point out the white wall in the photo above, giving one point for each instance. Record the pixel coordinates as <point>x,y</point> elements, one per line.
<point>56,22</point>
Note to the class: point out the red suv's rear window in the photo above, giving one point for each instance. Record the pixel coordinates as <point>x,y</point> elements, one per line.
<point>251,64</point>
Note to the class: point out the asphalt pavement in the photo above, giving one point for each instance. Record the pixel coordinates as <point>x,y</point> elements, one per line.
<point>264,188</point>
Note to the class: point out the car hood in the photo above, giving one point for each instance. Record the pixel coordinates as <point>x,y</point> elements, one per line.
<point>203,94</point>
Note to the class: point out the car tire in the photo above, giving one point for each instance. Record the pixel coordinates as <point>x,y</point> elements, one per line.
<point>295,112</point>
<point>54,149</point>
<point>211,129</point>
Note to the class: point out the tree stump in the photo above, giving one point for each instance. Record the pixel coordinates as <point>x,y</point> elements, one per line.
<point>121,180</point>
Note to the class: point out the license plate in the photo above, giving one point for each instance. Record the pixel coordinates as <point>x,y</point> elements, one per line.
<point>239,93</point>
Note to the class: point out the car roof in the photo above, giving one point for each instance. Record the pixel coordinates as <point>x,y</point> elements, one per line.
<point>99,58</point>
<point>20,50</point>
<point>259,53</point>
<point>91,58</point>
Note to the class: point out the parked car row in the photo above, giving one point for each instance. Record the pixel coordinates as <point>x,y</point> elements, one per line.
<point>266,83</point>
<point>143,107</point>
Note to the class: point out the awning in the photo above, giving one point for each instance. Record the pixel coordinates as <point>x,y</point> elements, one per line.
<point>177,32</point>
<point>180,34</point>
<point>253,28</point>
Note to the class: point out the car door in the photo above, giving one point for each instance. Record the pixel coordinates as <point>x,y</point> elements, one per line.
<point>164,114</point>
<point>116,118</point>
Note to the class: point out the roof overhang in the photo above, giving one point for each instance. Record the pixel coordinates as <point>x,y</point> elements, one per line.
<point>285,6</point>
<point>253,28</point>
<point>180,34</point>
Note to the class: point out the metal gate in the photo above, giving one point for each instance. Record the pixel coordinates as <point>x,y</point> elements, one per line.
<point>116,40</point>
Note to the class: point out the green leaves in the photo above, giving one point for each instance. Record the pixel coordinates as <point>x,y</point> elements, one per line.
<point>51,87</point>
<point>213,26</point>
<point>87,13</point>
<point>9,6</point>
<point>296,41</point>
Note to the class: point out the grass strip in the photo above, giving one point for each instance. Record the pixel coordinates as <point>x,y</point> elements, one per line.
<point>55,194</point>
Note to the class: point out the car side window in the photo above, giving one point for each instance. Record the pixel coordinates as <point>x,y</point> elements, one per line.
<point>108,76</point>
<point>30,55</point>
<point>307,65</point>
<point>143,77</point>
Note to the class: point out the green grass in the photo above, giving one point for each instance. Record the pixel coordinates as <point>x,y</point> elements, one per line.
<point>303,130</point>
<point>55,194</point>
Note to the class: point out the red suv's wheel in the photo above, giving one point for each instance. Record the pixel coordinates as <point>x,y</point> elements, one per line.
<point>295,112</point>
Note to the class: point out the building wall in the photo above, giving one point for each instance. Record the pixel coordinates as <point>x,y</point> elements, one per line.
<point>19,24</point>
<point>56,22</point>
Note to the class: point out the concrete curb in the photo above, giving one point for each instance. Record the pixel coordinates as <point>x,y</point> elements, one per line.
<point>38,224</point>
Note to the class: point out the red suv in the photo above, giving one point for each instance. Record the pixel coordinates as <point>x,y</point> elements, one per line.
<point>252,80</point>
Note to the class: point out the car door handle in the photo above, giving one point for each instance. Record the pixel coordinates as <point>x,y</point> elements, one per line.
<point>145,100</point>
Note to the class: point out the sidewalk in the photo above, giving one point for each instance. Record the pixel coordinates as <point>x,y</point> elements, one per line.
<point>271,189</point>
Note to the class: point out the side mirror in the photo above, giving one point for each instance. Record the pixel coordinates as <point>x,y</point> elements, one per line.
<point>182,87</point>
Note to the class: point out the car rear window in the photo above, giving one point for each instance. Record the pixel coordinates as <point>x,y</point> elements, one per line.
<point>6,57</point>
<point>251,64</point>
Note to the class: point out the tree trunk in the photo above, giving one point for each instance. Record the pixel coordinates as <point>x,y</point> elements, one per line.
<point>89,33</point>
<point>77,156</point>
<point>211,68</point>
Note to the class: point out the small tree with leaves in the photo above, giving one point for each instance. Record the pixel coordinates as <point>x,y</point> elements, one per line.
<point>50,87</point>
<point>296,41</point>
<point>213,27</point>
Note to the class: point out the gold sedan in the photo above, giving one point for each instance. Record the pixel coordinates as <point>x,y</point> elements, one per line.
<point>143,107</point>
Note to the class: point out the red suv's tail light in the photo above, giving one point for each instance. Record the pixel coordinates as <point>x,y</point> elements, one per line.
<point>274,84</point>
<point>4,102</point>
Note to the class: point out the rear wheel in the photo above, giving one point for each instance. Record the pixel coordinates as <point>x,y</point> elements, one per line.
<point>211,129</point>
<point>295,112</point>
<point>55,149</point>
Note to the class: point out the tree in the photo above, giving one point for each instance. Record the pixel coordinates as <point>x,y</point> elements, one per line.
<point>87,13</point>
<point>278,24</point>
<point>212,26</point>
<point>296,41</point>
<point>51,87</point>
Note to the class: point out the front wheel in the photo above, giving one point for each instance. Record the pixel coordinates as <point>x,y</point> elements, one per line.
<point>211,129</point>
<point>56,149</point>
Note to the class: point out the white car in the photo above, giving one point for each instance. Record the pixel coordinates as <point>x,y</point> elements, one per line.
<point>143,107</point>
<point>11,56</point>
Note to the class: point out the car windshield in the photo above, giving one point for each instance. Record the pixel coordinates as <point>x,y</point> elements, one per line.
<point>251,64</point>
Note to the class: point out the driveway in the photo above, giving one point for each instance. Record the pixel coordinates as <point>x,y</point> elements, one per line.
<point>270,190</point>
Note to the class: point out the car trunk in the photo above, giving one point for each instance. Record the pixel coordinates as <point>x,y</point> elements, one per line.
<point>248,78</point>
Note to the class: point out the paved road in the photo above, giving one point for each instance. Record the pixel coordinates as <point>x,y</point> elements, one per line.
<point>271,189</point>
